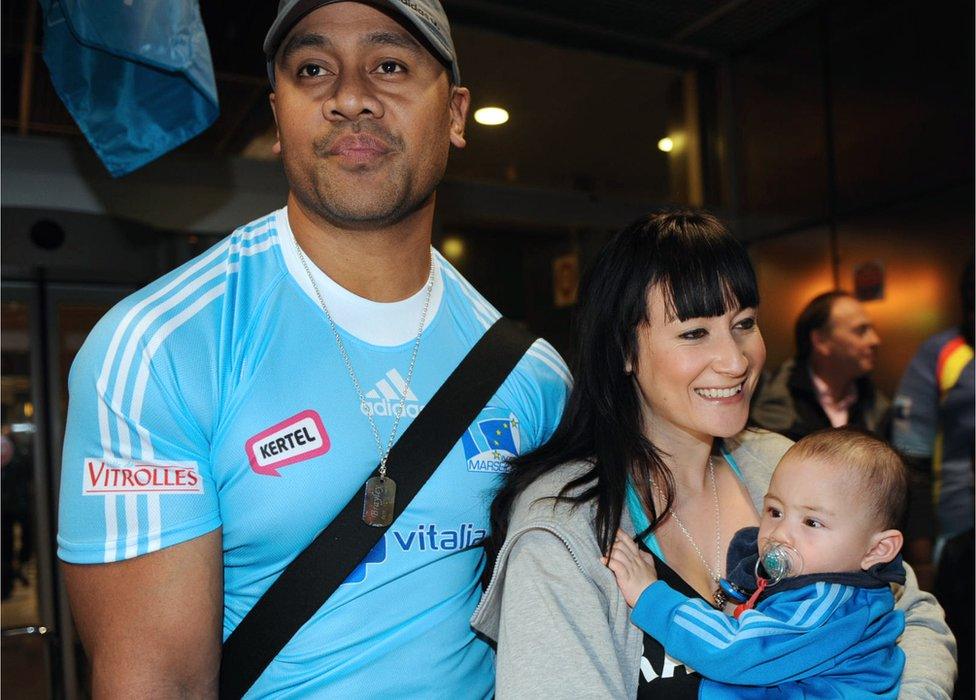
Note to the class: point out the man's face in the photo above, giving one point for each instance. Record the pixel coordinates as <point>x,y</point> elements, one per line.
<point>849,342</point>
<point>365,116</point>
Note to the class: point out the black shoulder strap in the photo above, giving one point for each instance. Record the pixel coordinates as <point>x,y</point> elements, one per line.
<point>311,578</point>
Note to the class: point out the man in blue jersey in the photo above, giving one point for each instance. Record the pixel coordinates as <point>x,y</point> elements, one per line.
<point>222,416</point>
<point>934,427</point>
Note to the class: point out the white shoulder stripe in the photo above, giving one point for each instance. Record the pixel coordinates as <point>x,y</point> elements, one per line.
<point>544,346</point>
<point>243,242</point>
<point>131,525</point>
<point>111,528</point>
<point>137,334</point>
<point>155,522</point>
<point>147,452</point>
<point>540,350</point>
<point>559,369</point>
<point>264,223</point>
<point>477,301</point>
<point>120,330</point>
<point>142,378</point>
<point>472,293</point>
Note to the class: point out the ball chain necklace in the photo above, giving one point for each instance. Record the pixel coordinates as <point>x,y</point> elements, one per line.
<point>380,494</point>
<point>718,595</point>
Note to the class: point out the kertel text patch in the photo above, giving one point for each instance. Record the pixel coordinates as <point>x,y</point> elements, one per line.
<point>294,439</point>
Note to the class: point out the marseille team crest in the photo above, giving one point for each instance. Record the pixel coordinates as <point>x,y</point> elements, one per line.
<point>490,441</point>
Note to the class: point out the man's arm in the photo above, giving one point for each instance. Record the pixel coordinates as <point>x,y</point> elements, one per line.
<point>772,406</point>
<point>914,426</point>
<point>920,521</point>
<point>152,625</point>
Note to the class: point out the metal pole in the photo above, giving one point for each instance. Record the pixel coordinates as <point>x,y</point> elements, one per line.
<point>830,145</point>
<point>27,69</point>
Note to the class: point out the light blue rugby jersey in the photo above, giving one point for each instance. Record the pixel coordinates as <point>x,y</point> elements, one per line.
<point>216,397</point>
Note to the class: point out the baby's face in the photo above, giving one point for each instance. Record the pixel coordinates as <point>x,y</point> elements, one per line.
<point>822,512</point>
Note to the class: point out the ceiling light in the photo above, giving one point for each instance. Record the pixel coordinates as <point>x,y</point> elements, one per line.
<point>665,144</point>
<point>453,248</point>
<point>491,116</point>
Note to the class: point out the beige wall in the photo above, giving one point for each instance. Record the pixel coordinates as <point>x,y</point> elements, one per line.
<point>924,246</point>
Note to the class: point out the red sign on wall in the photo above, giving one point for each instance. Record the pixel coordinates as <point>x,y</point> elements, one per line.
<point>869,279</point>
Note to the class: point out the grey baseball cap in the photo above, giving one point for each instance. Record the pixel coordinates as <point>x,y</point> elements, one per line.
<point>426,16</point>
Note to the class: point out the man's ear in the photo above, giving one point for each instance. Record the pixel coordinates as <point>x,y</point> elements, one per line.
<point>276,149</point>
<point>460,101</point>
<point>885,546</point>
<point>820,340</point>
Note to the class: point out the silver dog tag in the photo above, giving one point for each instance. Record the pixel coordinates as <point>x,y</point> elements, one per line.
<point>378,501</point>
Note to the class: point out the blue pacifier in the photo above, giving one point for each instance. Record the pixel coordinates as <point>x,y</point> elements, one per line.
<point>779,561</point>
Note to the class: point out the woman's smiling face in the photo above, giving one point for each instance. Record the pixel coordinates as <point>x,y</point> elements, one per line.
<point>696,376</point>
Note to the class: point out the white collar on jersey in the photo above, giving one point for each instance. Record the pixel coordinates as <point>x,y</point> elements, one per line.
<point>373,322</point>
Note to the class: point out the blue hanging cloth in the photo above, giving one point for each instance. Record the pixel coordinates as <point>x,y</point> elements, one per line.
<point>136,75</point>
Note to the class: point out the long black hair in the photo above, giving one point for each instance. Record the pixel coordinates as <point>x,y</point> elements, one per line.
<point>703,271</point>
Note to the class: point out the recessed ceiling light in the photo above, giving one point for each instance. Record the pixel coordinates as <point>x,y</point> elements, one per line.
<point>452,247</point>
<point>665,144</point>
<point>491,116</point>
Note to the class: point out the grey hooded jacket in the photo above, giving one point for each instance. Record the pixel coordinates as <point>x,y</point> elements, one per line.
<point>563,628</point>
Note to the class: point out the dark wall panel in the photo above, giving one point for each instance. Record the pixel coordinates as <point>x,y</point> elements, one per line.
<point>902,76</point>
<point>779,115</point>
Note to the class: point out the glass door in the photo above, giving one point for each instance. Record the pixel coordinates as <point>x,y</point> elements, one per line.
<point>26,609</point>
<point>43,327</point>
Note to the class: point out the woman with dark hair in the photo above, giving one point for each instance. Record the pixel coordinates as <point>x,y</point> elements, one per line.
<point>651,442</point>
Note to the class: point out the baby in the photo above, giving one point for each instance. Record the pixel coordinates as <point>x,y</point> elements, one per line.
<point>816,615</point>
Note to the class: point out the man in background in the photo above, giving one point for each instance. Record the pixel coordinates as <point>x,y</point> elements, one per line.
<point>933,427</point>
<point>827,383</point>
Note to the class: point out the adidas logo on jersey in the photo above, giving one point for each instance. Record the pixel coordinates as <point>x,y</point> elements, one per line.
<point>384,398</point>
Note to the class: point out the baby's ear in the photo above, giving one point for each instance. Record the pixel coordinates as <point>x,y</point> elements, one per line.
<point>885,546</point>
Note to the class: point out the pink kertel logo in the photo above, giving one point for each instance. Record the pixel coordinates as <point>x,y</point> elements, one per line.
<point>292,440</point>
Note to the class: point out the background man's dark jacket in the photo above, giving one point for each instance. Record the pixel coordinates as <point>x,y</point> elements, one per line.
<point>787,404</point>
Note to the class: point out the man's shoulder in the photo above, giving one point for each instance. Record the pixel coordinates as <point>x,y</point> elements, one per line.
<point>468,300</point>
<point>773,406</point>
<point>190,300</point>
<point>784,376</point>
<point>542,366</point>
<point>934,345</point>
<point>544,369</point>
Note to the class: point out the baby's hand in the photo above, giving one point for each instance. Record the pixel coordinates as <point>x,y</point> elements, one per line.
<point>633,569</point>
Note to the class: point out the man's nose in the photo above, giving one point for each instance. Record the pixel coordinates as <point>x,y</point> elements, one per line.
<point>352,98</point>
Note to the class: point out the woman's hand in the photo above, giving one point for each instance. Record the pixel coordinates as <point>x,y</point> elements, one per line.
<point>633,569</point>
